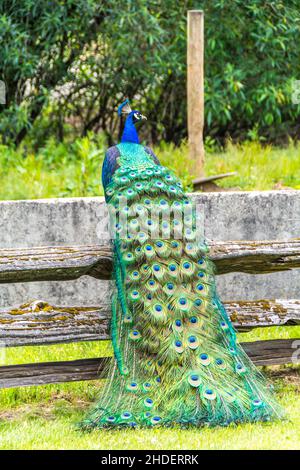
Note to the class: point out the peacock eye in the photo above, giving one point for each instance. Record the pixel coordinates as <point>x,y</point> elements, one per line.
<point>136,115</point>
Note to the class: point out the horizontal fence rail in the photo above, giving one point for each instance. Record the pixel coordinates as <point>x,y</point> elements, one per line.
<point>39,323</point>
<point>51,372</point>
<point>261,352</point>
<point>71,262</point>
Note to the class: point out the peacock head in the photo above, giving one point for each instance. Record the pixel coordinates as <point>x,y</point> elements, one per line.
<point>130,134</point>
<point>136,116</point>
<point>133,116</point>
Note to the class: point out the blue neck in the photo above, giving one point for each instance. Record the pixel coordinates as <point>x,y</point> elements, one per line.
<point>130,133</point>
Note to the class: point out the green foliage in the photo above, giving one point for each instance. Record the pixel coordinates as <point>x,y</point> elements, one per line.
<point>68,64</point>
<point>251,63</point>
<point>56,170</point>
<point>250,67</point>
<point>40,42</point>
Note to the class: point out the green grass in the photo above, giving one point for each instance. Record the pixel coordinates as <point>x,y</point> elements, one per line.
<point>52,427</point>
<point>44,417</point>
<point>71,170</point>
<point>258,167</point>
<point>50,424</point>
<point>57,170</point>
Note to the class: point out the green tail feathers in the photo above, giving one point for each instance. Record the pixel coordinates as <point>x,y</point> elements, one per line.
<point>176,359</point>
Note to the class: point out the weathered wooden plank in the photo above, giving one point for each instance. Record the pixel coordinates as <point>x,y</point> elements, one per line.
<point>58,263</point>
<point>273,352</point>
<point>211,178</point>
<point>207,183</point>
<point>246,315</point>
<point>261,352</point>
<point>39,323</point>
<point>51,372</point>
<point>66,263</point>
<point>256,257</point>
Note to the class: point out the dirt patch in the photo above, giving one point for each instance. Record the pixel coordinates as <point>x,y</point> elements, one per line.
<point>49,410</point>
<point>26,411</point>
<point>290,375</point>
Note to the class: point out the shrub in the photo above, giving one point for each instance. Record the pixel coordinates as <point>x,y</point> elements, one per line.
<point>78,59</point>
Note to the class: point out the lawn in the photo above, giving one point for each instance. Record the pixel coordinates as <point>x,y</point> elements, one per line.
<point>74,169</point>
<point>44,417</point>
<point>51,426</point>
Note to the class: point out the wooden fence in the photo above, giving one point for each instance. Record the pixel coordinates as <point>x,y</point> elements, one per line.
<point>38,323</point>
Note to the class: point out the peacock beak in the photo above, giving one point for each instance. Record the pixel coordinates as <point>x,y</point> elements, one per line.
<point>143,117</point>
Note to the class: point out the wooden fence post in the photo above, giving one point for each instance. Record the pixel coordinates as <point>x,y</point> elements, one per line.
<point>195,88</point>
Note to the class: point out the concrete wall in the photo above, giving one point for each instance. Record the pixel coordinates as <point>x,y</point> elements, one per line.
<point>228,216</point>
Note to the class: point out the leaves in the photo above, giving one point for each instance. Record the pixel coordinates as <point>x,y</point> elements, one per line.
<point>73,63</point>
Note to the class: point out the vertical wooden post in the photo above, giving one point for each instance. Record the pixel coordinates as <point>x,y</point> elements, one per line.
<point>195,88</point>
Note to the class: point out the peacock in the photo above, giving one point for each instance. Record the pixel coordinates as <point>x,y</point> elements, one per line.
<point>176,357</point>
